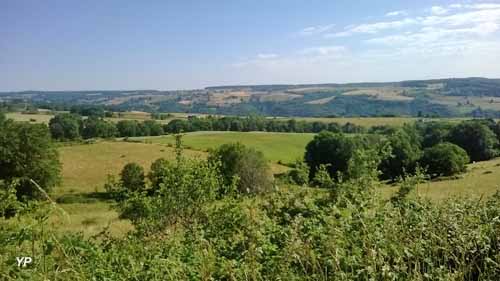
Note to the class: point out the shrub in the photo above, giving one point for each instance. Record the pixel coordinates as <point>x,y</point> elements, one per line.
<point>322,177</point>
<point>157,172</point>
<point>246,164</point>
<point>445,159</point>
<point>299,174</point>
<point>184,188</point>
<point>132,177</point>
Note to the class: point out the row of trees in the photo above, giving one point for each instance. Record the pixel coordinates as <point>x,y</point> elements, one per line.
<point>257,123</point>
<point>442,149</point>
<point>69,126</point>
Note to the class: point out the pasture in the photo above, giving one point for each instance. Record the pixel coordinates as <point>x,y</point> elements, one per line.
<point>86,166</point>
<point>277,147</point>
<point>32,118</point>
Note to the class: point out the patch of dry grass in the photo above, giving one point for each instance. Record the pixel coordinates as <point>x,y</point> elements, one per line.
<point>32,118</point>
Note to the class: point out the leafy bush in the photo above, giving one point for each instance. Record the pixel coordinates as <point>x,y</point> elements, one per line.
<point>299,174</point>
<point>184,188</point>
<point>157,172</point>
<point>132,177</point>
<point>445,159</point>
<point>246,164</point>
<point>322,177</point>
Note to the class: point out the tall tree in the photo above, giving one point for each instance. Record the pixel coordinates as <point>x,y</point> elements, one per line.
<point>65,126</point>
<point>27,153</point>
<point>476,138</point>
<point>405,152</point>
<point>332,150</point>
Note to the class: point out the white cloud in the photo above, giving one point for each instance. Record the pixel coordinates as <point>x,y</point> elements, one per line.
<point>453,40</point>
<point>396,13</point>
<point>456,6</point>
<point>438,10</point>
<point>372,28</point>
<point>267,56</point>
<point>313,30</point>
<point>328,51</point>
<point>482,6</point>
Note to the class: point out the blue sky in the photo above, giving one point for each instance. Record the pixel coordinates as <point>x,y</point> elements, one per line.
<point>84,45</point>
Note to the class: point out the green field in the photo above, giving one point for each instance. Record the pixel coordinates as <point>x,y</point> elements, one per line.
<point>32,118</point>
<point>277,147</point>
<point>85,169</point>
<point>86,166</point>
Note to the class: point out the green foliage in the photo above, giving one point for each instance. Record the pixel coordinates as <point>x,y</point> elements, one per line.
<point>157,172</point>
<point>322,177</point>
<point>246,164</point>
<point>132,177</point>
<point>257,123</point>
<point>299,174</point>
<point>65,126</point>
<point>445,159</point>
<point>475,138</point>
<point>94,127</point>
<point>128,128</point>
<point>405,152</point>
<point>152,128</point>
<point>184,188</point>
<point>27,153</point>
<point>9,204</point>
<point>333,150</point>
<point>433,132</point>
<point>290,234</point>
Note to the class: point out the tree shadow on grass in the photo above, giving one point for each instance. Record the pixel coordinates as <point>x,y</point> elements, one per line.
<point>84,198</point>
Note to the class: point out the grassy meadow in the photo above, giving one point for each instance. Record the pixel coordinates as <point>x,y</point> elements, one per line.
<point>32,118</point>
<point>277,147</point>
<point>86,166</point>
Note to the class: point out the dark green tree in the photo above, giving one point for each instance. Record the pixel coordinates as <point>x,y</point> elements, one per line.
<point>27,153</point>
<point>405,152</point>
<point>95,127</point>
<point>475,138</point>
<point>128,128</point>
<point>132,177</point>
<point>332,150</point>
<point>445,159</point>
<point>65,126</point>
<point>433,132</point>
<point>153,128</point>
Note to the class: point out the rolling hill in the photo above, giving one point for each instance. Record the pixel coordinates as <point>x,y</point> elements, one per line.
<point>439,97</point>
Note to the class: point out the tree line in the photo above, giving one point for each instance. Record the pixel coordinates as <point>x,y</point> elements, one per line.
<point>257,123</point>
<point>69,126</point>
<point>72,126</point>
<point>439,148</point>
